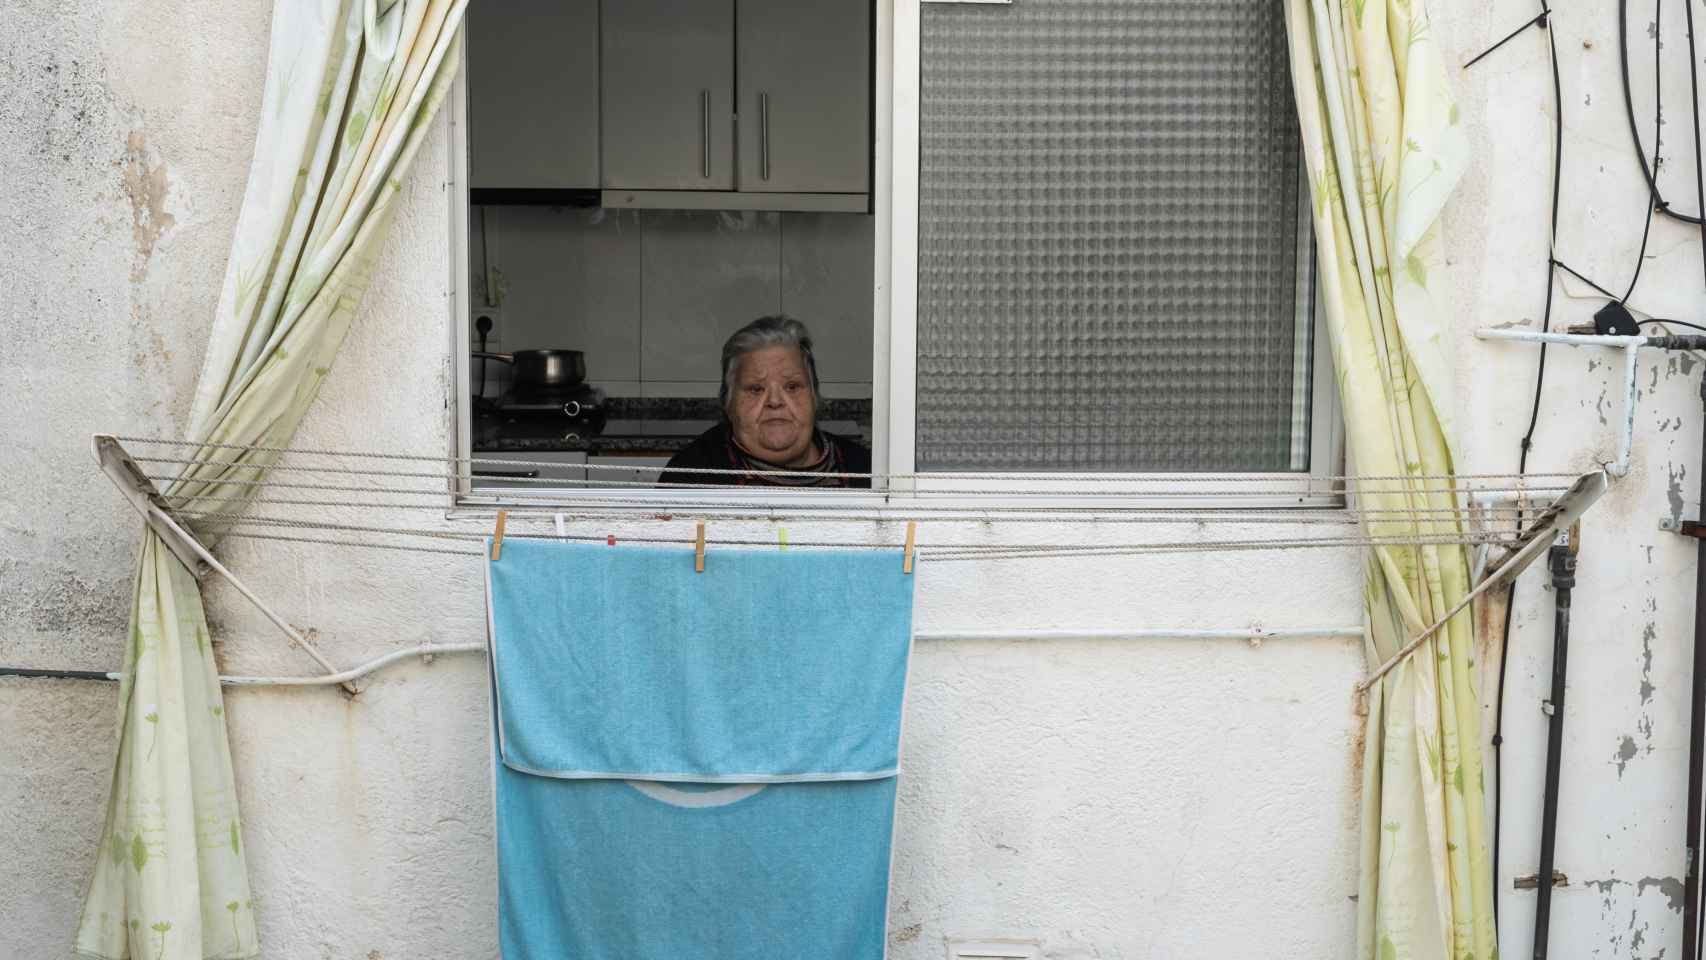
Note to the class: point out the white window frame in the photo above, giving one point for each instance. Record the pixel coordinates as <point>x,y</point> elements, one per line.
<point>894,381</point>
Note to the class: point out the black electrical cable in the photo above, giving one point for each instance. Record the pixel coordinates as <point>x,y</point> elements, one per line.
<point>1649,173</point>
<point>1538,18</point>
<point>1574,273</point>
<point>1694,108</point>
<point>1673,323</point>
<point>1656,202</point>
<point>1527,444</point>
<point>1641,255</point>
<point>1658,127</point>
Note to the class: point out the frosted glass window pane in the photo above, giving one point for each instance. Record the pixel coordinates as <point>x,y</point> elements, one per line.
<point>1108,273</point>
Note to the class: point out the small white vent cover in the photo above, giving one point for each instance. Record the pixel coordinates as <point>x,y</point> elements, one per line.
<point>994,950</point>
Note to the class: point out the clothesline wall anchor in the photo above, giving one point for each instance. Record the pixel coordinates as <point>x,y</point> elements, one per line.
<point>132,481</point>
<point>1557,520</point>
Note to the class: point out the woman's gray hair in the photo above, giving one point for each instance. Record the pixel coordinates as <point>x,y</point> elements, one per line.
<point>760,334</point>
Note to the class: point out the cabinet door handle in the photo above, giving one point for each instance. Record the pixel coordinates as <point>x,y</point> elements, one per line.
<point>705,134</point>
<point>764,136</point>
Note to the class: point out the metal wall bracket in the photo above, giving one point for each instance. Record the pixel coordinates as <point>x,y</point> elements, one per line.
<point>145,498</point>
<point>1532,881</point>
<point>1684,528</point>
<point>128,476</point>
<point>1553,527</point>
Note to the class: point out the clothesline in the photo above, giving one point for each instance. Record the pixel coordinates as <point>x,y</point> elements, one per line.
<point>687,537</point>
<point>929,492</point>
<point>244,506</point>
<point>1414,522</point>
<point>1308,481</point>
<point>1089,477</point>
<point>957,552</point>
<point>1346,517</point>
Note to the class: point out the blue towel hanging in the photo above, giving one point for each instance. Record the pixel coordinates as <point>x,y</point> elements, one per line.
<point>695,764</point>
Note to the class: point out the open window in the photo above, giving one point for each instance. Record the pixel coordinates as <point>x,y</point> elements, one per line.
<point>1069,239</point>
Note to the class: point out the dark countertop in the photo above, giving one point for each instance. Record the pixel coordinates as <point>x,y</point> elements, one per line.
<point>596,446</point>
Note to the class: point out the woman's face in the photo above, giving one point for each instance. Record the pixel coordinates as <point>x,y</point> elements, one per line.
<point>771,407</point>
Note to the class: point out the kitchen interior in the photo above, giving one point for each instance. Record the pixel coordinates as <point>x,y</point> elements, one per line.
<point>646,177</point>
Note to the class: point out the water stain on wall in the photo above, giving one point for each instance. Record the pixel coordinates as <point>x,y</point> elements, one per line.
<point>145,187</point>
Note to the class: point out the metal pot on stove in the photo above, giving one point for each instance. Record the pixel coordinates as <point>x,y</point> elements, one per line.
<point>538,372</point>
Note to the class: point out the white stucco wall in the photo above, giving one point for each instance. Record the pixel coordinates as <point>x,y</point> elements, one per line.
<point>1114,798</point>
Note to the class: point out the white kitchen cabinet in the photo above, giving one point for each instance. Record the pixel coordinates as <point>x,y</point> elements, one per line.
<point>803,69</point>
<point>533,97</point>
<point>736,104</point>
<point>668,94</point>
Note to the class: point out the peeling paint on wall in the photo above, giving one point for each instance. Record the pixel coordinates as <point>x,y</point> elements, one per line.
<point>1626,751</point>
<point>1674,492</point>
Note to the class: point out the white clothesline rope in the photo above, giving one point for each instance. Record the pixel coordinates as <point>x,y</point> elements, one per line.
<point>958,492</point>
<point>1482,525</point>
<point>1088,477</point>
<point>519,508</point>
<point>936,555</point>
<point>231,506</point>
<point>269,529</point>
<point>686,536</point>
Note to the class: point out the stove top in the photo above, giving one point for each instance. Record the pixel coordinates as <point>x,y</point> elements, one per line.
<point>573,414</point>
<point>571,401</point>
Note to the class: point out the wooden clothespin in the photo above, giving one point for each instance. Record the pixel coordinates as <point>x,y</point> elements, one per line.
<point>911,537</point>
<point>498,535</point>
<point>699,549</point>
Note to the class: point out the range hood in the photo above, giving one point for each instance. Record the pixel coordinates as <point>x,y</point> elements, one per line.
<point>734,200</point>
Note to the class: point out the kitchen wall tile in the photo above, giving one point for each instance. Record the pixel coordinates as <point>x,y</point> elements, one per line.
<point>573,282</point>
<point>683,388</point>
<point>844,391</point>
<point>651,296</point>
<point>827,263</point>
<point>616,388</point>
<point>705,275</point>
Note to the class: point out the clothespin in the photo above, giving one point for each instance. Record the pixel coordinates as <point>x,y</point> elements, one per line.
<point>699,549</point>
<point>911,537</point>
<point>781,538</point>
<point>562,528</point>
<point>610,539</point>
<point>498,535</point>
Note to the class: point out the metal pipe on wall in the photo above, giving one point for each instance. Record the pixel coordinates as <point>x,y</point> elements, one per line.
<point>1253,635</point>
<point>1562,562</point>
<point>1696,735</point>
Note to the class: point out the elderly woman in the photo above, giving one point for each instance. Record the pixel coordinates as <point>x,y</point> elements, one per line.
<point>769,400</point>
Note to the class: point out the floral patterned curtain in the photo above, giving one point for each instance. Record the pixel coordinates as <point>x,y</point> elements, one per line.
<point>1384,151</point>
<point>351,88</point>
